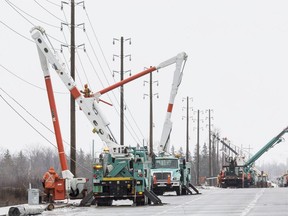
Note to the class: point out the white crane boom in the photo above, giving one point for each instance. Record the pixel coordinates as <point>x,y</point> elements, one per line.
<point>180,60</point>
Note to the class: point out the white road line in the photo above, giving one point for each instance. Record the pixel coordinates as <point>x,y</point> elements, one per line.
<point>252,203</point>
<point>180,205</point>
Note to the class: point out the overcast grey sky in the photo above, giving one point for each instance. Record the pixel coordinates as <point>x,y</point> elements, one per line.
<point>237,66</point>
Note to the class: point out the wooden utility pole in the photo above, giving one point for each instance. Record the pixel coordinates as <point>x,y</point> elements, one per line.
<point>150,95</point>
<point>151,116</point>
<point>121,94</point>
<point>210,148</point>
<point>217,156</point>
<point>187,130</point>
<point>72,101</point>
<point>198,147</point>
<point>121,56</point>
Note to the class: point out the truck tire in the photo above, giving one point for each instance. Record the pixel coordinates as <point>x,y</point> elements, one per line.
<point>142,201</point>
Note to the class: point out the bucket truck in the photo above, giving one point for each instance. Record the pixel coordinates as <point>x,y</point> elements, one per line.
<point>231,174</point>
<point>122,172</point>
<point>241,173</point>
<point>170,172</point>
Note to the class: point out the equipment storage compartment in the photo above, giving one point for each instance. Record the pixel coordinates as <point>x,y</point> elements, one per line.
<point>59,193</point>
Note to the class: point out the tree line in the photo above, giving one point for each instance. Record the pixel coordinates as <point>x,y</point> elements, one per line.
<point>27,167</point>
<point>24,168</point>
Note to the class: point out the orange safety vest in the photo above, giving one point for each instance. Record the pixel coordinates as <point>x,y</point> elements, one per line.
<point>49,178</point>
<point>222,174</point>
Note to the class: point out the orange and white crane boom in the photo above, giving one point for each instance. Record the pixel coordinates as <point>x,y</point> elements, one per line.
<point>164,144</point>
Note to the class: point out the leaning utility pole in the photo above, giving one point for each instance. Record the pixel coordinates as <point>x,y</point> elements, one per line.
<point>72,101</point>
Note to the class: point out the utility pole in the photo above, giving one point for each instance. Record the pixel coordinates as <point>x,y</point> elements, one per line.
<point>72,101</point>
<point>217,156</point>
<point>72,73</point>
<point>151,117</point>
<point>210,147</point>
<point>121,87</point>
<point>151,113</point>
<point>187,131</point>
<point>187,127</point>
<point>198,147</point>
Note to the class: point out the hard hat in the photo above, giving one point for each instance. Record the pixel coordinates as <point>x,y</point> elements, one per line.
<point>51,170</point>
<point>106,149</point>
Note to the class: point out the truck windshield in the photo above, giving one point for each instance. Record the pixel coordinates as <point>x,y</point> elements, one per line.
<point>166,163</point>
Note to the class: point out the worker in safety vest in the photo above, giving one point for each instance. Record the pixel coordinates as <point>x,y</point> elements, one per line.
<point>87,92</point>
<point>219,178</point>
<point>48,182</point>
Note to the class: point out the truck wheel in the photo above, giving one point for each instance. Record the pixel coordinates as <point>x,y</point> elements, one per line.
<point>141,201</point>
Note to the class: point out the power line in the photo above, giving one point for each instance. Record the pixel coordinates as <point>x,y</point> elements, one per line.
<point>25,81</point>
<point>109,84</point>
<point>108,66</point>
<point>53,3</point>
<point>16,32</point>
<point>34,128</point>
<point>108,95</point>
<point>33,16</point>
<point>103,71</point>
<point>77,56</point>
<point>91,62</point>
<point>14,8</point>
<point>48,11</point>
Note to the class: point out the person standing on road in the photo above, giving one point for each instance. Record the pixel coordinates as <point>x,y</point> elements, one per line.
<point>48,182</point>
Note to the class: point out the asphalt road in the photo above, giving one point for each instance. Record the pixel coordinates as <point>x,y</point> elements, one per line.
<point>211,202</point>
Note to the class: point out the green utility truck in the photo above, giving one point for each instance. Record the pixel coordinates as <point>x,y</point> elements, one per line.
<point>171,174</point>
<point>122,178</point>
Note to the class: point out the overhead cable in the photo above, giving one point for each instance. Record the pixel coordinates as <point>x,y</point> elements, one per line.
<point>34,128</point>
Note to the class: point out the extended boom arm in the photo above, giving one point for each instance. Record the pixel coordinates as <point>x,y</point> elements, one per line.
<point>180,61</point>
<point>265,148</point>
